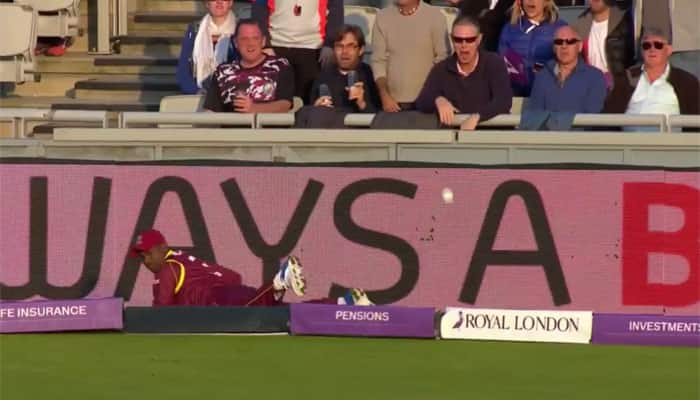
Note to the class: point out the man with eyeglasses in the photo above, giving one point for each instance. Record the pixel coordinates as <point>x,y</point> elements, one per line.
<point>567,83</point>
<point>473,81</point>
<point>655,87</point>
<point>346,87</point>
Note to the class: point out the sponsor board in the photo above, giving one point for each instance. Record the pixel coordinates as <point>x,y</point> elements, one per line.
<point>635,329</point>
<point>56,316</point>
<point>382,321</point>
<point>622,241</point>
<point>517,325</point>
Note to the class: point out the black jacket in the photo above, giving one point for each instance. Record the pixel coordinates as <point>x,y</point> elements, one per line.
<point>491,21</point>
<point>619,45</point>
<point>685,85</point>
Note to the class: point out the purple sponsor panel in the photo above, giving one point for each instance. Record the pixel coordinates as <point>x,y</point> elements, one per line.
<point>56,316</point>
<point>381,321</point>
<point>638,329</point>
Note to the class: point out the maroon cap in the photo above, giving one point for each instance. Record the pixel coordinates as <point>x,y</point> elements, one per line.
<point>146,241</point>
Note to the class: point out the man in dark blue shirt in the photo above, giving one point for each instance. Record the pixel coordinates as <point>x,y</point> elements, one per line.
<point>568,84</point>
<point>345,87</point>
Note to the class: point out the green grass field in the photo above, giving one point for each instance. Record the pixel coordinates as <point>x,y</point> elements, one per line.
<point>126,367</point>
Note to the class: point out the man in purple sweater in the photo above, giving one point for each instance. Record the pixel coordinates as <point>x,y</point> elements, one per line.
<point>472,81</point>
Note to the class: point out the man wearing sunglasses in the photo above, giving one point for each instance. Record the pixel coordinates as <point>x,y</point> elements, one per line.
<point>473,81</point>
<point>567,83</point>
<point>655,87</point>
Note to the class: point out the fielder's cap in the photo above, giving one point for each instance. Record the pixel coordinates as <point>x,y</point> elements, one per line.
<point>146,241</point>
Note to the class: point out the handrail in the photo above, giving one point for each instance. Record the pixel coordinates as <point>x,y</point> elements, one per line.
<point>202,135</point>
<point>20,116</point>
<point>683,121</point>
<point>195,118</point>
<point>580,120</point>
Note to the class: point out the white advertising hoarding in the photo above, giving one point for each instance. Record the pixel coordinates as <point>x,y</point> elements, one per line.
<point>517,325</point>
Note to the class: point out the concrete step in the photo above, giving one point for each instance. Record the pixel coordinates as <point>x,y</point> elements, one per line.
<point>148,90</point>
<point>150,43</point>
<point>83,63</point>
<point>167,5</point>
<point>51,84</point>
<point>64,103</point>
<point>162,21</point>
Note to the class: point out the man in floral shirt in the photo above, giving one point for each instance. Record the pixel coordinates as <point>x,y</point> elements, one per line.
<point>256,83</point>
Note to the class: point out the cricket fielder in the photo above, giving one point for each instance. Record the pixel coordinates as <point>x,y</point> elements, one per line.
<point>184,280</point>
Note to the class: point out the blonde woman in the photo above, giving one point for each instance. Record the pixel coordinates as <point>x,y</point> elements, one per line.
<point>526,42</point>
<point>207,44</point>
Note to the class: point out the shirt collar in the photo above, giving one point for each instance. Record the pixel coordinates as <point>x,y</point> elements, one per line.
<point>454,66</point>
<point>663,77</point>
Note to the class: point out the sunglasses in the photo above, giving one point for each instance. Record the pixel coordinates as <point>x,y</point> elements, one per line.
<point>461,40</point>
<point>569,42</point>
<point>657,45</point>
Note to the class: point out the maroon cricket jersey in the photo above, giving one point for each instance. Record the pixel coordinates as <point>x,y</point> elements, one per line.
<point>186,280</point>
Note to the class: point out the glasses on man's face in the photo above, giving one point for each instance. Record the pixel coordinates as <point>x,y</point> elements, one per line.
<point>349,46</point>
<point>462,40</point>
<point>657,45</point>
<point>568,42</point>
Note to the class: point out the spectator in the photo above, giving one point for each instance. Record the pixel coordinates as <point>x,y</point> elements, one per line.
<point>473,81</point>
<point>345,87</point>
<point>526,43</point>
<point>408,38</point>
<point>256,83</point>
<point>656,87</point>
<point>491,14</point>
<point>568,84</point>
<point>608,37</point>
<point>301,31</point>
<point>678,19</point>
<point>207,44</point>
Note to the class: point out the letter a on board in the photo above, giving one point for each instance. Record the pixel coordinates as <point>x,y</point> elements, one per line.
<point>545,255</point>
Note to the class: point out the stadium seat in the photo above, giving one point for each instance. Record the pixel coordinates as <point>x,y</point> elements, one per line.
<point>57,18</point>
<point>17,28</point>
<point>570,14</point>
<point>182,103</point>
<point>363,17</point>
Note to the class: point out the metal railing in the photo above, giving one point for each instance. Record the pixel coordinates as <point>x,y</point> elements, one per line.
<point>19,117</point>
<point>186,120</point>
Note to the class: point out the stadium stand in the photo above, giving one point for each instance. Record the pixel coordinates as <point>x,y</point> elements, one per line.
<point>18,30</point>
<point>139,76</point>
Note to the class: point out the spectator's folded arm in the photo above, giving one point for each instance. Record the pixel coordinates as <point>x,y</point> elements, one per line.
<point>501,94</point>
<point>379,51</point>
<point>595,98</point>
<point>425,102</point>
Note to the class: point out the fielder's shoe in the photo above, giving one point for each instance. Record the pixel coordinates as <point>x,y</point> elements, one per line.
<point>290,276</point>
<point>355,297</point>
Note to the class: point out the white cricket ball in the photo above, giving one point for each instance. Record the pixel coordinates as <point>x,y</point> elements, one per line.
<point>447,196</point>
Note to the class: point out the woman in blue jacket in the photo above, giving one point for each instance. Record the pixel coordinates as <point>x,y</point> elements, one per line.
<point>207,44</point>
<point>526,42</point>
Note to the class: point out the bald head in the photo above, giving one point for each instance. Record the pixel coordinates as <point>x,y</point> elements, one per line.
<point>566,32</point>
<point>567,45</point>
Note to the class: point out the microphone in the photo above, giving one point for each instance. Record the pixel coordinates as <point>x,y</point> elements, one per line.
<point>324,91</point>
<point>352,78</point>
